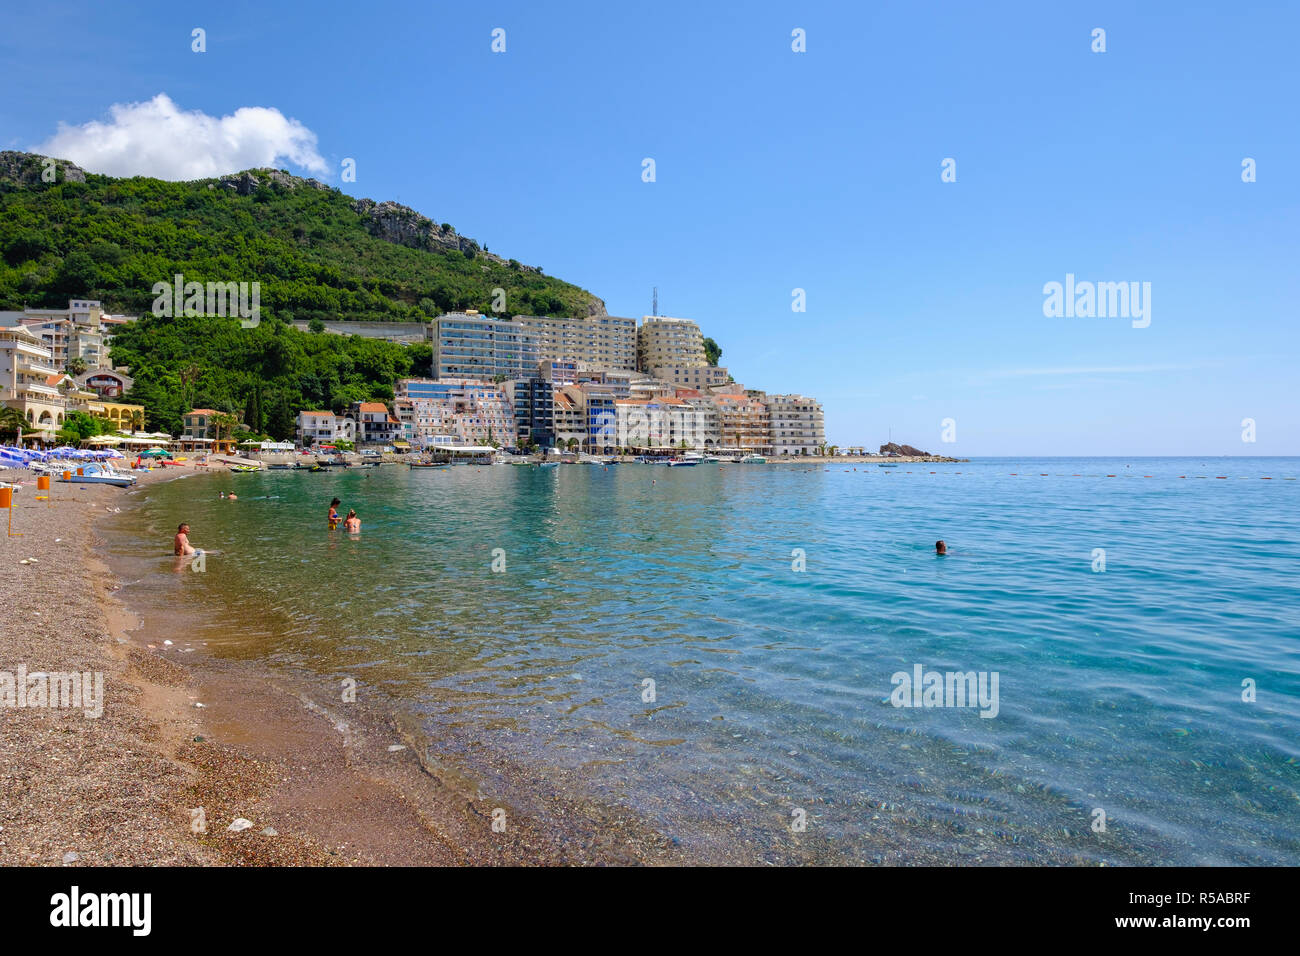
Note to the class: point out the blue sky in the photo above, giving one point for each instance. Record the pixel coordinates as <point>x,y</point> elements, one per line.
<point>821,170</point>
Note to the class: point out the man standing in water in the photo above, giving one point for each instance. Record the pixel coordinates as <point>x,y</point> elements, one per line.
<point>940,548</point>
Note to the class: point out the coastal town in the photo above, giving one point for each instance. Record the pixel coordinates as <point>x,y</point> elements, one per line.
<point>596,385</point>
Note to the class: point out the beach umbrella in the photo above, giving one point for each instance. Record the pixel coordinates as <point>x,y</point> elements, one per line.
<point>154,453</point>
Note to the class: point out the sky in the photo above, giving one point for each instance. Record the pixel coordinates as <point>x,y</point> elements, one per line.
<point>776,171</point>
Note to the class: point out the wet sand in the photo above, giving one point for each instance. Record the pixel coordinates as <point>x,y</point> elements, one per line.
<point>319,788</point>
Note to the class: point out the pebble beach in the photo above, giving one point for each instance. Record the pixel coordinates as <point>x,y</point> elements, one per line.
<point>279,781</point>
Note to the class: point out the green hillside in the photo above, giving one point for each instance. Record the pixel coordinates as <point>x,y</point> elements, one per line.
<point>316,252</point>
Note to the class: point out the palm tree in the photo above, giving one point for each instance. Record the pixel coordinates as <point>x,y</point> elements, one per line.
<point>12,422</point>
<point>224,422</point>
<point>76,366</point>
<point>137,421</point>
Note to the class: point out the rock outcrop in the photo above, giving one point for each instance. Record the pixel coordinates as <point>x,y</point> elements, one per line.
<point>28,169</point>
<point>905,450</point>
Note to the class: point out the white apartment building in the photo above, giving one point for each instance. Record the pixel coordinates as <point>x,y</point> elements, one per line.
<point>796,424</point>
<point>72,333</point>
<point>658,424</point>
<point>667,342</point>
<point>700,377</point>
<point>589,342</point>
<point>29,381</point>
<point>472,345</point>
<point>323,427</point>
<point>454,411</point>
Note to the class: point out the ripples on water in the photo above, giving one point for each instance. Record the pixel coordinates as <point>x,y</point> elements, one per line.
<point>1119,691</point>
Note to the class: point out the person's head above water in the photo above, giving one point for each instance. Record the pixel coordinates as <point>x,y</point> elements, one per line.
<point>940,548</point>
<point>352,514</point>
<point>335,503</point>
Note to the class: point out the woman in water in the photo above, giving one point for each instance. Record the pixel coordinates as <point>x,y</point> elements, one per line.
<point>334,514</point>
<point>352,524</point>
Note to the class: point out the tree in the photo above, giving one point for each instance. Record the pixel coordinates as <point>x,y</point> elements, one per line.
<point>76,366</point>
<point>137,420</point>
<point>316,326</point>
<point>79,426</point>
<point>253,410</point>
<point>712,351</point>
<point>12,421</point>
<point>224,424</point>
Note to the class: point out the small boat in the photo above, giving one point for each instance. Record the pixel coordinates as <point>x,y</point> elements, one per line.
<point>426,464</point>
<point>886,466</point>
<point>244,469</point>
<point>99,474</point>
<point>279,467</point>
<point>548,464</point>
<point>681,462</point>
<point>753,460</point>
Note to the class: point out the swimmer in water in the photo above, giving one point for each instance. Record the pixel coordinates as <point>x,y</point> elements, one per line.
<point>940,548</point>
<point>352,524</point>
<point>181,543</point>
<point>334,514</point>
<point>232,496</point>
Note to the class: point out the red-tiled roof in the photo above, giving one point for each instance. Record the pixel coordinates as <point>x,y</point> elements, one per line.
<point>318,414</point>
<point>202,411</point>
<point>374,407</point>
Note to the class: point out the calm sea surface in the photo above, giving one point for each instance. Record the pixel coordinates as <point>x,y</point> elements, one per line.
<point>1120,690</point>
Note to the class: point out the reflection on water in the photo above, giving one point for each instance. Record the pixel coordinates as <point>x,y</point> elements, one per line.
<point>647,641</point>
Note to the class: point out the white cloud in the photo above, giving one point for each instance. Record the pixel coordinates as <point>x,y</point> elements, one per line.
<point>160,139</point>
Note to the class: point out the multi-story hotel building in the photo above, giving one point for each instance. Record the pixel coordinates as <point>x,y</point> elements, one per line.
<point>43,395</point>
<point>701,377</point>
<point>707,421</point>
<point>796,424</point>
<point>71,333</point>
<point>657,424</point>
<point>455,411</point>
<point>743,423</point>
<point>29,380</point>
<point>671,343</point>
<point>588,342</point>
<point>473,345</point>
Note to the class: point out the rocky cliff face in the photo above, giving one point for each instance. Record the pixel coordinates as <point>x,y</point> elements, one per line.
<point>402,225</point>
<point>27,168</point>
<point>247,183</point>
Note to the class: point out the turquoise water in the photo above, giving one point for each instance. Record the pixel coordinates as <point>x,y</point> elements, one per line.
<point>1119,690</point>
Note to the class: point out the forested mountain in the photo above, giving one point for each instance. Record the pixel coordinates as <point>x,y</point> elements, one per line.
<point>316,252</point>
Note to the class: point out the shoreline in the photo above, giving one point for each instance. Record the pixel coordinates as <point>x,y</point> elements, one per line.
<point>230,736</point>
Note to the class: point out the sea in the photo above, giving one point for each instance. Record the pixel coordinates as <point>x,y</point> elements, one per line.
<point>771,663</point>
